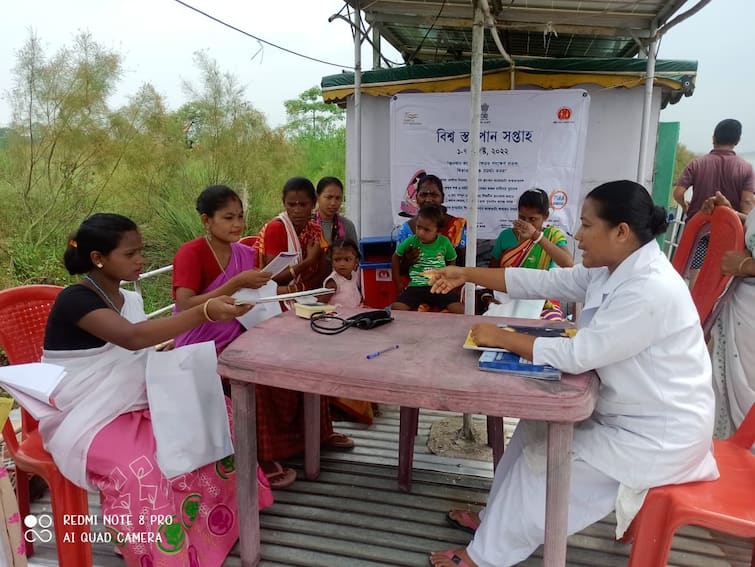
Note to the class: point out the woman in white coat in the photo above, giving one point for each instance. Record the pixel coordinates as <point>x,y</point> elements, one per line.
<point>640,331</point>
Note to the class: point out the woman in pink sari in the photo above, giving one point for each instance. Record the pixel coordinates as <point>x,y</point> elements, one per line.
<point>215,264</point>
<point>101,436</point>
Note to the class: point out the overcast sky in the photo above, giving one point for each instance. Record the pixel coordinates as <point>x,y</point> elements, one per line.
<point>158,37</point>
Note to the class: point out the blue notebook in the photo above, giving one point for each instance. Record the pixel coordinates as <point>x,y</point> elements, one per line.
<point>511,363</point>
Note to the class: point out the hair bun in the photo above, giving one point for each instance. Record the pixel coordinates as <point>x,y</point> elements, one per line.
<point>658,220</point>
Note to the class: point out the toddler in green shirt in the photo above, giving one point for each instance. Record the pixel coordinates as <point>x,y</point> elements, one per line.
<point>436,251</point>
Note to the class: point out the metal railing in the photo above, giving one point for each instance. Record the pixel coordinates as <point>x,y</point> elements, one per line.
<point>138,288</point>
<point>674,232</point>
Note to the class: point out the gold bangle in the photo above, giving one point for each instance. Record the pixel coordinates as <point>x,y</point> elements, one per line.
<point>740,269</point>
<point>292,272</point>
<point>206,314</point>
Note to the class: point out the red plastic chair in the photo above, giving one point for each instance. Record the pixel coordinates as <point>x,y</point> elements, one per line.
<point>726,233</point>
<point>249,241</point>
<point>726,505</point>
<point>24,312</point>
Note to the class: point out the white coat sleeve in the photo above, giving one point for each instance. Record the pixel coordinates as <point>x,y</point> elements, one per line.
<point>566,284</point>
<point>626,323</point>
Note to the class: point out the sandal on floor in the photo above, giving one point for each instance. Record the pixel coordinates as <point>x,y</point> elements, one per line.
<point>451,555</point>
<point>468,521</point>
<point>281,477</point>
<point>338,442</point>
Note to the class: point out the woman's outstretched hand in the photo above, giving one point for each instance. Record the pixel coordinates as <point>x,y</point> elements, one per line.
<point>223,308</point>
<point>446,279</point>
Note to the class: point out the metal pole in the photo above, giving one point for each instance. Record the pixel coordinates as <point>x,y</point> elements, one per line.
<point>357,194</point>
<point>647,111</point>
<point>473,175</point>
<point>376,37</point>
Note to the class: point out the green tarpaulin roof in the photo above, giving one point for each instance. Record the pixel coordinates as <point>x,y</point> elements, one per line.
<point>677,76</point>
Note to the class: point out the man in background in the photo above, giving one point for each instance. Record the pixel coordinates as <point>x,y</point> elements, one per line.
<point>720,170</point>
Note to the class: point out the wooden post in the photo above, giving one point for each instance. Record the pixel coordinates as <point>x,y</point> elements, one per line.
<point>245,443</point>
<point>473,175</point>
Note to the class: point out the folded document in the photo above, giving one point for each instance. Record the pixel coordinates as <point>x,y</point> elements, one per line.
<point>32,385</point>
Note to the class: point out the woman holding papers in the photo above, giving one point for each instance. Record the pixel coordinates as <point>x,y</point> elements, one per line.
<point>217,264</point>
<point>293,230</point>
<point>102,436</point>
<point>639,330</point>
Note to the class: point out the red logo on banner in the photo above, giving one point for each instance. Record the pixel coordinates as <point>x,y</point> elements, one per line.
<point>563,113</point>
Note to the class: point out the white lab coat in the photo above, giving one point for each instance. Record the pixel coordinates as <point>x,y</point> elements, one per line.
<point>653,421</point>
<point>639,330</point>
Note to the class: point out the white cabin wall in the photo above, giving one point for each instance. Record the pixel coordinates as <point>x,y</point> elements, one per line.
<point>376,166</point>
<point>613,136</point>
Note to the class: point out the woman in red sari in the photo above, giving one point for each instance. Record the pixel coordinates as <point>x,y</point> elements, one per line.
<point>293,230</point>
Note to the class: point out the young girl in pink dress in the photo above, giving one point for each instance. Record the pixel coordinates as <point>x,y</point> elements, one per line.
<point>344,279</point>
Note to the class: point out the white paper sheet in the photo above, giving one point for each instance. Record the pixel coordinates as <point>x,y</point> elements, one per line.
<point>247,296</point>
<point>524,308</point>
<point>261,311</point>
<point>281,262</point>
<point>37,379</point>
<point>32,385</point>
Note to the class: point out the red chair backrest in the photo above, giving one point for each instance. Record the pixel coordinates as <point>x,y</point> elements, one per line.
<point>726,233</point>
<point>249,241</point>
<point>24,311</point>
<point>744,436</point>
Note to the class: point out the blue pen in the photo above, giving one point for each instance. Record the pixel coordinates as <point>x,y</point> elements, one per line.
<point>378,353</point>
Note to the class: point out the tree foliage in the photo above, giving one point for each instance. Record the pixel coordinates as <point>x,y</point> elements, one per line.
<point>308,116</point>
<point>318,132</point>
<point>68,152</point>
<point>683,157</point>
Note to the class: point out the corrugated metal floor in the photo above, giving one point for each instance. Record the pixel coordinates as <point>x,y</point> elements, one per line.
<point>354,515</point>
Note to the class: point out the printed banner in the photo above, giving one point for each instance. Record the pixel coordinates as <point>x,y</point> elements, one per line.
<point>528,139</point>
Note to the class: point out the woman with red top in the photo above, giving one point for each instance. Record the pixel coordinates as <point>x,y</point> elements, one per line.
<point>217,264</point>
<point>293,230</point>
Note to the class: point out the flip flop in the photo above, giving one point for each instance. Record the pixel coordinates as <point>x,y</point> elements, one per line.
<point>281,477</point>
<point>468,521</point>
<point>451,555</point>
<point>338,442</point>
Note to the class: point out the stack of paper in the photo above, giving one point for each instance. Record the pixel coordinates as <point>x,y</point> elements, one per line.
<point>32,385</point>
